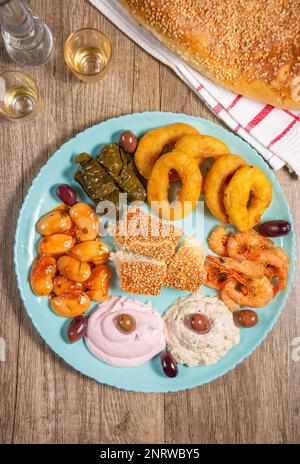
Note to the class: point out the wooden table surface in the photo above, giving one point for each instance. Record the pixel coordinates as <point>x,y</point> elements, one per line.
<point>43,400</point>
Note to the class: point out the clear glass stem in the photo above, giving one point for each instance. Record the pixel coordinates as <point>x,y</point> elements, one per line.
<point>27,40</point>
<point>13,15</point>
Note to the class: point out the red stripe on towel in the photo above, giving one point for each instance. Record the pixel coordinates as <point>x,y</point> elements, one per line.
<point>218,108</point>
<point>259,117</point>
<point>234,102</point>
<point>282,134</point>
<point>292,115</point>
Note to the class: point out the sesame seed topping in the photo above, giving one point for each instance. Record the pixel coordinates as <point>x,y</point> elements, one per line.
<point>145,234</point>
<point>142,277</point>
<point>255,39</point>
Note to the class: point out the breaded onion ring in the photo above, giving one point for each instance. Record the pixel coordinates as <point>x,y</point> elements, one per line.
<point>158,185</point>
<point>216,181</point>
<point>152,144</point>
<point>247,196</point>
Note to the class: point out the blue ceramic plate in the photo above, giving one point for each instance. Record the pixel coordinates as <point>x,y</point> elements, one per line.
<point>41,198</point>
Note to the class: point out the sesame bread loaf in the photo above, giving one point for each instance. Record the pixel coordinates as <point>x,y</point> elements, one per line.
<point>251,47</point>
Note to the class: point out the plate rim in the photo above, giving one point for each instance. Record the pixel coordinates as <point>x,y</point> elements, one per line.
<point>192,384</point>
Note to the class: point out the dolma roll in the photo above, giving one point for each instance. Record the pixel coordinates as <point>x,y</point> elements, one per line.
<point>95,181</point>
<point>119,165</point>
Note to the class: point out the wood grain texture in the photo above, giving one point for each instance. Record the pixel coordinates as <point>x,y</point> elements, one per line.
<point>42,399</point>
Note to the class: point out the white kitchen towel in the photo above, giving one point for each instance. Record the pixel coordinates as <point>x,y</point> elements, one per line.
<point>275,133</point>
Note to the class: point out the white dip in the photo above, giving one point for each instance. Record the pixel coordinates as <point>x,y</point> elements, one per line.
<point>191,348</point>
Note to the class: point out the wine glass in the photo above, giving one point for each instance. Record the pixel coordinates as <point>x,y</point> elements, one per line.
<point>88,54</point>
<point>19,96</point>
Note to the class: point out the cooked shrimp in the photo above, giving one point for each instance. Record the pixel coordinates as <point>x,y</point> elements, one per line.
<point>255,293</point>
<point>230,303</point>
<point>276,264</point>
<point>215,278</point>
<point>281,253</point>
<point>247,245</point>
<point>217,240</point>
<point>247,269</point>
<point>271,273</point>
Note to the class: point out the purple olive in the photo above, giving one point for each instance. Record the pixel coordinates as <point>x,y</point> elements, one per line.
<point>245,318</point>
<point>128,141</point>
<point>169,364</point>
<point>274,228</point>
<point>199,323</point>
<point>77,328</point>
<point>66,194</point>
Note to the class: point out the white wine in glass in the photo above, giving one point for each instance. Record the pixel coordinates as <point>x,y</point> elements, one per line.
<point>88,54</point>
<point>19,96</point>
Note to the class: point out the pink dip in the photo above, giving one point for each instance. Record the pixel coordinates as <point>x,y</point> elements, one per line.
<point>107,343</point>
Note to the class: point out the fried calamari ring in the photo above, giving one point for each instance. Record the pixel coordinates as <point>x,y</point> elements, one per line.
<point>158,185</point>
<point>152,144</point>
<point>201,146</point>
<point>247,196</point>
<point>216,181</point>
